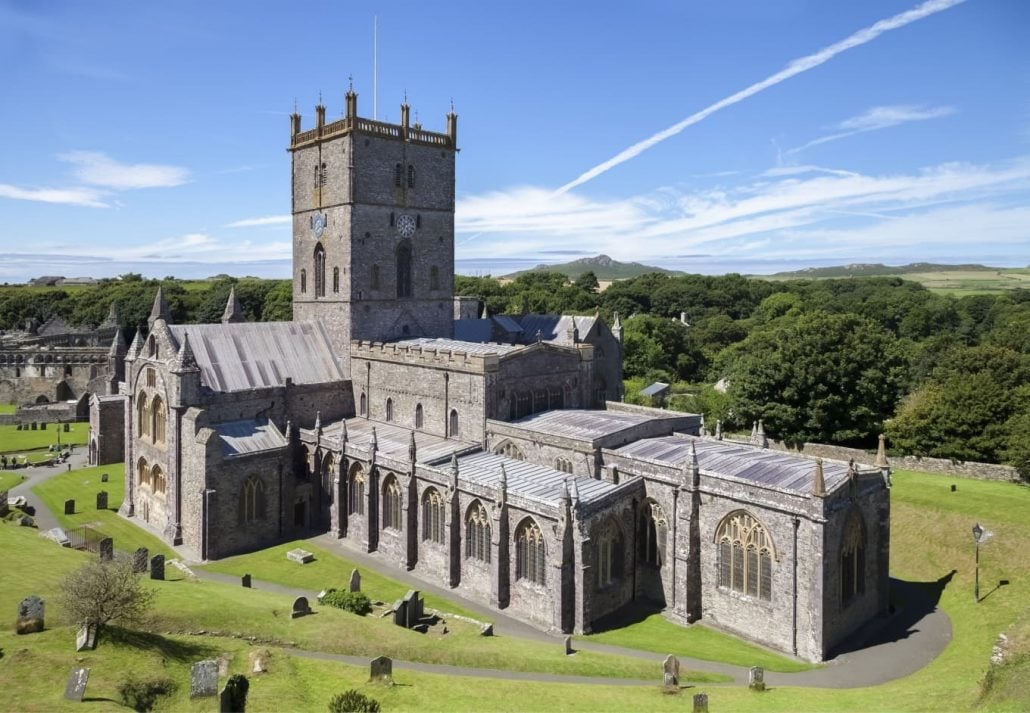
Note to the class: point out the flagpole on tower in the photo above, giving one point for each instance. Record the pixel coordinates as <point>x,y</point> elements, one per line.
<point>375,67</point>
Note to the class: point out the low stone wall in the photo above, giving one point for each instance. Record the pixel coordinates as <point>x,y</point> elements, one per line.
<point>969,469</point>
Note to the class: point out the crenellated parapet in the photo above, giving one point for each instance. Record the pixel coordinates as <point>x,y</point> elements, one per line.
<point>429,356</point>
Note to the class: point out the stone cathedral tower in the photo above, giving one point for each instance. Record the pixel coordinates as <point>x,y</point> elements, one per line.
<point>373,227</point>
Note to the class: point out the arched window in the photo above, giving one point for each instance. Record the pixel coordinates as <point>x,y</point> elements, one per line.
<point>252,500</point>
<point>319,270</point>
<point>303,281</point>
<point>398,172</point>
<point>418,416</point>
<point>336,279</point>
<point>328,475</point>
<point>158,419</point>
<point>404,269</point>
<point>655,528</point>
<point>363,406</point>
<point>411,176</point>
<point>389,410</point>
<point>609,555</point>
<point>142,472</point>
<point>391,504</point>
<point>529,552</point>
<point>432,516</point>
<point>564,465</point>
<point>375,277</point>
<point>452,430</point>
<point>356,491</point>
<point>142,416</point>
<point>434,278</point>
<point>555,398</point>
<point>509,450</point>
<point>745,555</point>
<point>852,559</point>
<point>477,533</point>
<point>157,478</point>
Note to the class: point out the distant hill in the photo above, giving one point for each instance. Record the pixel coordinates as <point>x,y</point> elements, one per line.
<point>876,269</point>
<point>602,266</point>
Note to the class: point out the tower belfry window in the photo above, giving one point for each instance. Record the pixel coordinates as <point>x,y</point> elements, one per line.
<point>397,175</point>
<point>319,271</point>
<point>404,270</point>
<point>411,176</point>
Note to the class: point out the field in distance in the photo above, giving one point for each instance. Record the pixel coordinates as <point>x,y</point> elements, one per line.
<point>958,280</point>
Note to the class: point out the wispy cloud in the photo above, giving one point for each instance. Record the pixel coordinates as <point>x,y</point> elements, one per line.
<point>794,68</point>
<point>98,169</point>
<point>66,196</point>
<point>879,117</point>
<point>261,222</point>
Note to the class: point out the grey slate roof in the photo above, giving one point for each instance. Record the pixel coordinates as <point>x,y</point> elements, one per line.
<point>236,357</point>
<point>554,327</point>
<point>458,346</point>
<point>528,480</point>
<point>581,423</point>
<point>248,436</point>
<point>759,466</point>
<point>393,440</point>
<point>655,389</point>
<point>473,330</point>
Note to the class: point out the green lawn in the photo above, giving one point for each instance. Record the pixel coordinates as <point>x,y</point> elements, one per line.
<point>9,478</point>
<point>14,441</point>
<point>8,408</point>
<point>82,486</point>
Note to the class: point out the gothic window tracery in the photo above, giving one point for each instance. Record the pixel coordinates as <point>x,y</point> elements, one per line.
<point>745,555</point>
<point>391,504</point>
<point>142,472</point>
<point>418,416</point>
<point>252,500</point>
<point>530,552</point>
<point>432,516</point>
<point>411,176</point>
<point>477,533</point>
<point>655,531</point>
<point>452,430</point>
<point>158,420</point>
<point>356,491</point>
<point>157,479</point>
<point>389,410</point>
<point>319,270</point>
<point>509,450</point>
<point>563,464</point>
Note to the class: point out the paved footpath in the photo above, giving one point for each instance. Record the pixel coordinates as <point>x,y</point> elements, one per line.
<point>34,475</point>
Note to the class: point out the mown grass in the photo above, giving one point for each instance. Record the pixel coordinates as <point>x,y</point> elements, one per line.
<point>82,486</point>
<point>8,408</point>
<point>14,441</point>
<point>8,479</point>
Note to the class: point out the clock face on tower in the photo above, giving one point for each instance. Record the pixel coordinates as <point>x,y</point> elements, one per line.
<point>318,224</point>
<point>406,226</point>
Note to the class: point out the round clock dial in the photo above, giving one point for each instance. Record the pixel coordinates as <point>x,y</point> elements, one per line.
<point>319,225</point>
<point>406,226</point>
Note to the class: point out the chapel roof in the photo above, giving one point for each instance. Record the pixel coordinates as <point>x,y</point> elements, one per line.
<point>394,441</point>
<point>586,424</point>
<point>249,436</point>
<point>528,480</point>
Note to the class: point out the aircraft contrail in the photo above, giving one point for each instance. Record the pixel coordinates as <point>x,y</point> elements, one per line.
<point>797,66</point>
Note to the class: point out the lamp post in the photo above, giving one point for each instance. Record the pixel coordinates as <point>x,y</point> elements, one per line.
<point>977,534</point>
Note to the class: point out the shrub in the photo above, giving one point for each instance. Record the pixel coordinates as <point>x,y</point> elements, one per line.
<point>352,701</point>
<point>141,695</point>
<point>237,687</point>
<point>354,602</point>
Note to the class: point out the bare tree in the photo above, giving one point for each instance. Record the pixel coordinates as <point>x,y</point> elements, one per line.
<point>101,592</point>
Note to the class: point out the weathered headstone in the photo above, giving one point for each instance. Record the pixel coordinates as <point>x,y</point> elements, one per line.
<point>106,549</point>
<point>42,425</point>
<point>3,503</point>
<point>19,426</point>
<point>259,661</point>
<point>756,678</point>
<point>103,477</point>
<point>26,521</point>
<point>57,535</point>
<point>700,703</point>
<point>300,556</point>
<point>245,581</point>
<point>355,580</point>
<point>381,670</point>
<point>139,560</point>
<point>69,507</point>
<point>157,567</point>
<point>412,609</point>
<point>102,500</point>
<point>204,679</point>
<point>300,608</point>
<point>34,426</point>
<point>954,488</point>
<point>487,630</point>
<point>400,613</point>
<point>75,689</point>
<point>568,646</point>
<point>671,671</point>
<point>66,428</point>
<point>30,615</point>
<point>86,638</point>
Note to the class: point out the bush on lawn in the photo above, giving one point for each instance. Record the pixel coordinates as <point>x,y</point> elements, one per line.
<point>352,701</point>
<point>354,602</point>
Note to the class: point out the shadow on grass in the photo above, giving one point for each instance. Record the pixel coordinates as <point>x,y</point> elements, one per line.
<point>632,613</point>
<point>1001,583</point>
<point>910,602</point>
<point>180,651</point>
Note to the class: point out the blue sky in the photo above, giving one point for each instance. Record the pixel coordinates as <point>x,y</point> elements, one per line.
<point>711,136</point>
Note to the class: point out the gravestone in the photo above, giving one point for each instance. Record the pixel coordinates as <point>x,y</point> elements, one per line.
<point>57,535</point>
<point>102,500</point>
<point>700,703</point>
<point>42,426</point>
<point>76,686</point>
<point>157,567</point>
<point>954,488</point>
<point>204,679</point>
<point>30,615</point>
<point>3,503</point>
<point>381,670</point>
<point>412,608</point>
<point>66,428</point>
<point>300,556</point>
<point>69,507</point>
<point>26,521</point>
<point>139,560</point>
<point>34,426</point>
<point>19,426</point>
<point>756,678</point>
<point>86,638</point>
<point>487,630</point>
<point>106,549</point>
<point>400,613</point>
<point>259,662</point>
<point>355,580</point>
<point>568,646</point>
<point>246,581</point>
<point>671,671</point>
<point>103,477</point>
<point>300,608</point>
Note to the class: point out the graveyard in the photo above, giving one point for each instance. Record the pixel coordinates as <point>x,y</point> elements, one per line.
<point>211,617</point>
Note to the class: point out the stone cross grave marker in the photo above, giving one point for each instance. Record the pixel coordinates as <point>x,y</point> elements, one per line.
<point>756,678</point>
<point>106,549</point>
<point>381,670</point>
<point>204,679</point>
<point>30,615</point>
<point>86,638</point>
<point>139,560</point>
<point>76,686</point>
<point>700,703</point>
<point>671,671</point>
<point>300,608</point>
<point>102,500</point>
<point>69,507</point>
<point>355,580</point>
<point>245,581</point>
<point>157,567</point>
<point>103,477</point>
<point>568,646</point>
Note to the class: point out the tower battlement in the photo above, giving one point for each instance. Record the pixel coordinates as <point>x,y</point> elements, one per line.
<point>425,355</point>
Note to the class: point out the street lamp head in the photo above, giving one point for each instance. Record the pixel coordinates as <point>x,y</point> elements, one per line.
<point>977,532</point>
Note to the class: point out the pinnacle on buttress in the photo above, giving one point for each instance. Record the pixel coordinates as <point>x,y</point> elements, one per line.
<point>343,432</point>
<point>504,478</point>
<point>114,316</point>
<point>702,431</point>
<point>574,494</point>
<point>412,449</point>
<point>819,482</point>
<point>718,429</point>
<point>485,314</point>
<point>233,309</point>
<point>318,421</point>
<point>118,347</point>
<point>762,440</point>
<point>454,463</point>
<point>754,432</point>
<point>135,346</point>
<point>185,360</point>
<point>375,440</point>
<point>881,454</point>
<point>159,310</point>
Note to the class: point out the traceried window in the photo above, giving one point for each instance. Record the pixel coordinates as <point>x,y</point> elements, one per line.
<point>609,555</point>
<point>655,528</point>
<point>142,472</point>
<point>151,376</point>
<point>252,501</point>
<point>530,552</point>
<point>432,516</point>
<point>157,479</point>
<point>391,504</point>
<point>477,533</point>
<point>404,269</point>
<point>418,416</point>
<point>509,450</point>
<point>158,419</point>
<point>142,416</point>
<point>319,270</point>
<point>452,430</point>
<point>745,555</point>
<point>328,476</point>
<point>356,490</point>
<point>852,559</point>
<point>563,464</point>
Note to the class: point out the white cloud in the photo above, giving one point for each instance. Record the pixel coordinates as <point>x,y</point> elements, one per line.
<point>260,222</point>
<point>879,117</point>
<point>97,169</point>
<point>66,196</point>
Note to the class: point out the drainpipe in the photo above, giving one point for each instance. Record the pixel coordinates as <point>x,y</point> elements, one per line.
<point>794,613</point>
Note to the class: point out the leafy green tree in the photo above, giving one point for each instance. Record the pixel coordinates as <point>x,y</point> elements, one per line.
<point>588,282</point>
<point>278,304</point>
